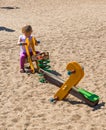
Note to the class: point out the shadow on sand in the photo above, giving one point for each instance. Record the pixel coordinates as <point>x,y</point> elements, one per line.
<point>97,107</point>
<point>9,7</point>
<point>73,102</point>
<point>6,29</point>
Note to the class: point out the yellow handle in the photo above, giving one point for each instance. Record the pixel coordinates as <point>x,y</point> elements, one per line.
<point>73,79</point>
<point>33,45</point>
<point>29,57</point>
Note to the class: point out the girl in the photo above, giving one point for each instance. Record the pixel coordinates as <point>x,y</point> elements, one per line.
<point>26,33</point>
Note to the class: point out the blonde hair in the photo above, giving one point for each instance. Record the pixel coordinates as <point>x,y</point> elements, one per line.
<point>26,28</point>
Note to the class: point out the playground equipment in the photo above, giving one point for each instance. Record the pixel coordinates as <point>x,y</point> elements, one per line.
<point>28,53</point>
<point>75,72</point>
<point>65,87</point>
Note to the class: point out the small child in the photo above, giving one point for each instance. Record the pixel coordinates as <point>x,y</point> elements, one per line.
<point>26,33</point>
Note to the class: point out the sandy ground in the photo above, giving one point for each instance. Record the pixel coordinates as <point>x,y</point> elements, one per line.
<point>71,30</point>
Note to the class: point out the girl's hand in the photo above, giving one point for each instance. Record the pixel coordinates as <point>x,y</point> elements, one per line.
<point>38,42</point>
<point>22,43</point>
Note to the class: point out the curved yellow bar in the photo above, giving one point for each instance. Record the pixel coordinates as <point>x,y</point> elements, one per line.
<point>74,78</point>
<point>33,43</point>
<point>28,54</point>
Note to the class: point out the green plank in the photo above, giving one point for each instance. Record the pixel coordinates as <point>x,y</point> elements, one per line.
<point>90,96</point>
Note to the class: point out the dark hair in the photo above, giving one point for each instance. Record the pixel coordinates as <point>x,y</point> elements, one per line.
<point>26,28</point>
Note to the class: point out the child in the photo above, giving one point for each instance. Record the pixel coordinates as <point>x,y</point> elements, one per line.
<point>27,33</point>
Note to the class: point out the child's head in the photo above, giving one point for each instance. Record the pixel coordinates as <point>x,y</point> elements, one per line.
<point>27,30</point>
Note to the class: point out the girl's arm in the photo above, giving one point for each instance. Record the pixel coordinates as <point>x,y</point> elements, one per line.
<point>37,42</point>
<point>20,43</point>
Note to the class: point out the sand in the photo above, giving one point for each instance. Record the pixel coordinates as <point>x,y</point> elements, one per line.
<point>70,30</point>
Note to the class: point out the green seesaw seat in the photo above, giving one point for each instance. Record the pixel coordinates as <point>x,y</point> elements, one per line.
<point>90,96</point>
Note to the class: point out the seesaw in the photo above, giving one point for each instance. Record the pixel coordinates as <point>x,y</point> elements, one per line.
<point>75,73</point>
<point>89,98</point>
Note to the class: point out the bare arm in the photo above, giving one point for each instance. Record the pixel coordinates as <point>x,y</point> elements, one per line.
<point>20,43</point>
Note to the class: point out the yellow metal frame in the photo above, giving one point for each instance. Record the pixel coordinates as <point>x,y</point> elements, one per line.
<point>30,43</point>
<point>73,80</point>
